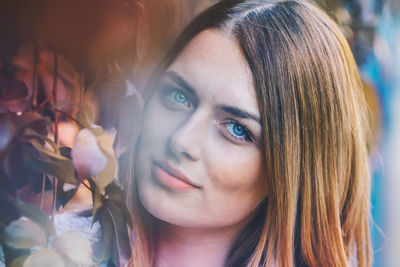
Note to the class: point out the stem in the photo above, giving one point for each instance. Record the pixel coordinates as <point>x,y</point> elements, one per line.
<point>42,193</point>
<point>83,90</point>
<point>55,180</point>
<point>35,74</point>
<point>55,76</point>
<point>88,187</point>
<point>49,99</point>
<point>68,116</point>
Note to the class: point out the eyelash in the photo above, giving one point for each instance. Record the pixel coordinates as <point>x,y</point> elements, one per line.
<point>169,95</point>
<point>246,137</point>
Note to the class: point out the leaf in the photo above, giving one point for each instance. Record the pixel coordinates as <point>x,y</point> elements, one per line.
<point>113,219</point>
<point>40,159</point>
<point>44,258</point>
<point>117,195</point>
<point>24,234</point>
<point>33,120</point>
<point>85,122</point>
<point>35,214</point>
<point>75,247</point>
<point>65,151</point>
<point>96,198</point>
<point>29,133</point>
<point>107,238</point>
<point>82,119</point>
<point>64,196</point>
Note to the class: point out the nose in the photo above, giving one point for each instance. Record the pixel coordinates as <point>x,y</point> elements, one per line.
<point>186,141</point>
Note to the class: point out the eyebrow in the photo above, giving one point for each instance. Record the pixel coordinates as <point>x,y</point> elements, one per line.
<point>235,111</point>
<point>175,77</point>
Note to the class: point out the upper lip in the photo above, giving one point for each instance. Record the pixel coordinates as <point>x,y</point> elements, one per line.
<point>174,172</point>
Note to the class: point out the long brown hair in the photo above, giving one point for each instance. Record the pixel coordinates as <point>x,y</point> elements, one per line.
<point>315,138</point>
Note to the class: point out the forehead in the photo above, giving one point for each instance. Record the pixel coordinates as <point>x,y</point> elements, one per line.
<point>214,66</point>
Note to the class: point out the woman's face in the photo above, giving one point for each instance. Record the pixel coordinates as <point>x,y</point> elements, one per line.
<point>200,158</point>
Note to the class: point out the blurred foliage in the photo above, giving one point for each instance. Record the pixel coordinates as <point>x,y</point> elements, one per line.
<point>29,158</point>
<point>56,55</point>
<point>57,58</point>
<point>32,160</point>
<point>358,20</point>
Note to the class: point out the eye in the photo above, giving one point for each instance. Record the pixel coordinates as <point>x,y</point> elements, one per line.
<point>175,98</point>
<point>236,131</point>
<point>179,97</point>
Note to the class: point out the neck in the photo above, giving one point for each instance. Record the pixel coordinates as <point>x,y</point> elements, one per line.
<point>193,247</point>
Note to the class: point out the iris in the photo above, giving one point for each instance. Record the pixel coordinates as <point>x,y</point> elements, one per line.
<point>238,130</point>
<point>180,97</point>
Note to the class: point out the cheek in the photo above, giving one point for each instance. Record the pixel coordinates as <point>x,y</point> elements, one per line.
<point>237,184</point>
<point>235,167</point>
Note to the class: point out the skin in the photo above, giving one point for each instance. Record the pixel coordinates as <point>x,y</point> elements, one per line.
<point>197,132</point>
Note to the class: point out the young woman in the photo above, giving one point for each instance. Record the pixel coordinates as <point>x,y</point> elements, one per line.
<point>253,148</point>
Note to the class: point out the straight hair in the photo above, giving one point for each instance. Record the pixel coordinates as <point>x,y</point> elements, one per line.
<point>315,131</point>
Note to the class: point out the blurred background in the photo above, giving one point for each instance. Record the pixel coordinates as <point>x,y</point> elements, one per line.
<point>108,48</point>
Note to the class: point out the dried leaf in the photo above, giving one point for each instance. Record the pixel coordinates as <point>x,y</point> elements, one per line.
<point>117,195</point>
<point>44,258</point>
<point>29,134</point>
<point>96,199</point>
<point>24,234</point>
<point>65,191</point>
<point>38,158</point>
<point>82,119</point>
<point>64,195</point>
<point>75,247</point>
<point>33,120</point>
<point>107,236</point>
<point>112,218</point>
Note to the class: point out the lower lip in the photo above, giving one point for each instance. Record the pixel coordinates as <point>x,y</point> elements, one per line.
<point>170,181</point>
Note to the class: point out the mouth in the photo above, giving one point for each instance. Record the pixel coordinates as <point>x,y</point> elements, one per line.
<point>171,178</point>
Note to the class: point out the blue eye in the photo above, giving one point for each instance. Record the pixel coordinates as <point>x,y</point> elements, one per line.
<point>237,131</point>
<point>175,98</point>
<point>180,97</point>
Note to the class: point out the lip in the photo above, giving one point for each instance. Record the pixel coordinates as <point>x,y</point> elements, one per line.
<point>171,177</point>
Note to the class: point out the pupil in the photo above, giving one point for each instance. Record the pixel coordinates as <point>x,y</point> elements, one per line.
<point>179,97</point>
<point>238,130</point>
